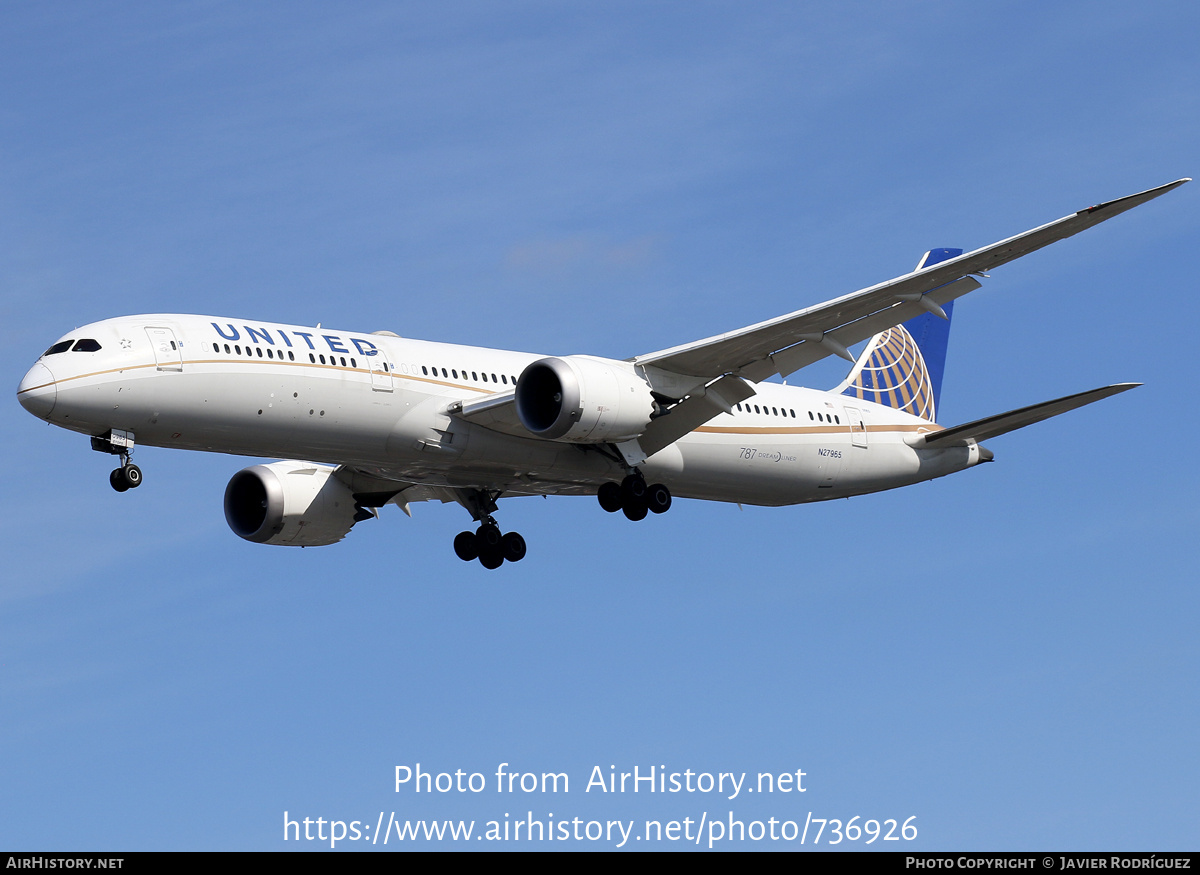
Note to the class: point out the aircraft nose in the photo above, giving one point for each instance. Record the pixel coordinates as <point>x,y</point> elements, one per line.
<point>37,392</point>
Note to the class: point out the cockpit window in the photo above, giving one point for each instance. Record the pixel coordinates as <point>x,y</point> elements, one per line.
<point>61,346</point>
<point>86,345</point>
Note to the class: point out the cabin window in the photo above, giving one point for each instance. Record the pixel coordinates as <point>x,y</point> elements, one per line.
<point>353,363</point>
<point>270,353</point>
<point>216,348</point>
<point>322,358</point>
<point>291,356</point>
<point>227,349</point>
<point>503,377</point>
<point>258,349</point>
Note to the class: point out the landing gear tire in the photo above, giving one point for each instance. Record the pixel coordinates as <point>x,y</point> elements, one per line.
<point>635,510</point>
<point>512,547</point>
<point>133,476</point>
<point>466,547</point>
<point>658,498</point>
<point>610,496</point>
<point>117,480</point>
<point>488,538</point>
<point>489,546</point>
<point>634,497</point>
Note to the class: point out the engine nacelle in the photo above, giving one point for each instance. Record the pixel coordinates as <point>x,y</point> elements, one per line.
<point>296,504</point>
<point>583,400</point>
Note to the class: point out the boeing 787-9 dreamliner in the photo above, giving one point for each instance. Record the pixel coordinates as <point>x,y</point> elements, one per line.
<point>366,420</point>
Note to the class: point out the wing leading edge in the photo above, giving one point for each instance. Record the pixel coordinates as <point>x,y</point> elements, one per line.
<point>790,342</point>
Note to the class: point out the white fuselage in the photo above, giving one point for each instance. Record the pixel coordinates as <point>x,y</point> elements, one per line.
<point>379,403</point>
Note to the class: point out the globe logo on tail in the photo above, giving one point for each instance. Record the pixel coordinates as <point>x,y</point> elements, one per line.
<point>891,371</point>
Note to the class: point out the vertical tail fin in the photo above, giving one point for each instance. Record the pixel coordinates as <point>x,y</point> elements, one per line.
<point>902,367</point>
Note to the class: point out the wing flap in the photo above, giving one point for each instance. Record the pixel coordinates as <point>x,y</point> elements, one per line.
<point>802,355</point>
<point>693,411</point>
<point>1002,423</point>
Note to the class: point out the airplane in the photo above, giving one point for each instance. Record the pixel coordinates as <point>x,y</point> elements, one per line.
<point>364,420</point>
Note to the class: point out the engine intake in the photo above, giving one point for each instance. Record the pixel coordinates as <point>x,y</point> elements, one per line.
<point>290,503</point>
<point>582,399</point>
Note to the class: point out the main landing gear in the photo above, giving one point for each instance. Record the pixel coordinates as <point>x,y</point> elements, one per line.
<point>633,497</point>
<point>486,543</point>
<point>489,546</point>
<point>118,442</point>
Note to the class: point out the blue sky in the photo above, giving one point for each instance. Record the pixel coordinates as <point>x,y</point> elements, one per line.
<point>1008,655</point>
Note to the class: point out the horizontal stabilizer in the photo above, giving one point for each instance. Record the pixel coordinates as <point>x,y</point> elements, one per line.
<point>1002,423</point>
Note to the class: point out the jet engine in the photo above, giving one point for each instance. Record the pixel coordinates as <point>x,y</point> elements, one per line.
<point>296,504</point>
<point>584,400</point>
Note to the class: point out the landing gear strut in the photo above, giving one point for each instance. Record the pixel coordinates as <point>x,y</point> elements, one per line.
<point>634,498</point>
<point>486,543</point>
<point>120,443</point>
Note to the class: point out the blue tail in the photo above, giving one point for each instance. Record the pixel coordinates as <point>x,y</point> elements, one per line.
<point>903,366</point>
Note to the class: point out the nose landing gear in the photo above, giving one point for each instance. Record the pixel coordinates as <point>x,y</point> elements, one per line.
<point>118,442</point>
<point>634,498</point>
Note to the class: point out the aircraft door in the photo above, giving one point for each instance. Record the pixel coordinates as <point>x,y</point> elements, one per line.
<point>381,374</point>
<point>167,353</point>
<point>858,429</point>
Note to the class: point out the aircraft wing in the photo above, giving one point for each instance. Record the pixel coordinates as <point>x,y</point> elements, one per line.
<point>497,411</point>
<point>1002,423</point>
<point>790,342</point>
